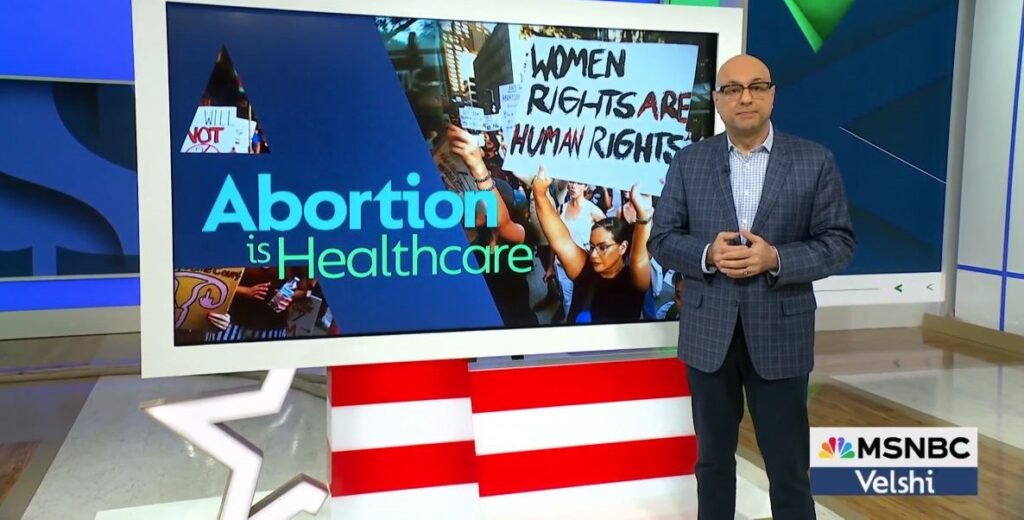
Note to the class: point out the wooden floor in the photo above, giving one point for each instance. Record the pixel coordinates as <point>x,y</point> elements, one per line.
<point>834,403</point>
<point>14,458</point>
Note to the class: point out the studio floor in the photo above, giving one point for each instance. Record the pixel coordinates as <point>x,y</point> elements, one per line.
<point>82,449</point>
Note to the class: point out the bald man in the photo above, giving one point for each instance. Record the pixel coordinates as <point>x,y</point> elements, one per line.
<point>751,218</point>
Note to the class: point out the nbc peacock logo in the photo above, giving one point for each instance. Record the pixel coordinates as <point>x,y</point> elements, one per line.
<point>837,448</point>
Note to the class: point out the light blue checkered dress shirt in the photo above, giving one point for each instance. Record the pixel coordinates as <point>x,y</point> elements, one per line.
<point>747,177</point>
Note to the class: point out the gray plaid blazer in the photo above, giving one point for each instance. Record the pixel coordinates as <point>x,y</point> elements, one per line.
<point>802,212</point>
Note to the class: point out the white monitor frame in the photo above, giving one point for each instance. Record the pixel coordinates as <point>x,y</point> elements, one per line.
<point>159,355</point>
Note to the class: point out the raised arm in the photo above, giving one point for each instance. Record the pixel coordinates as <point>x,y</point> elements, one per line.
<point>639,259</point>
<point>573,258</point>
<point>463,146</point>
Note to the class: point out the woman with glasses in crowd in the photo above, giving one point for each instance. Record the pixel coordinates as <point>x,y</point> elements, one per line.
<point>612,271</point>
<point>579,215</point>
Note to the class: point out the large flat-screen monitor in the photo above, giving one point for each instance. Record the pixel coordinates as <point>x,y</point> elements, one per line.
<point>353,182</point>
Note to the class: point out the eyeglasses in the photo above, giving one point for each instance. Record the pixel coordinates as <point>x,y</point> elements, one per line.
<point>600,248</point>
<point>758,89</point>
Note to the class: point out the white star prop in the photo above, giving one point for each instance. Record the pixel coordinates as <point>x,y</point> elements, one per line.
<point>197,421</point>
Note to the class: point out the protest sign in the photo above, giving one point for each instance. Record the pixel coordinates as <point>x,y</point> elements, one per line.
<point>198,292</point>
<point>218,130</point>
<point>509,95</point>
<point>472,118</point>
<point>608,114</point>
<point>492,122</point>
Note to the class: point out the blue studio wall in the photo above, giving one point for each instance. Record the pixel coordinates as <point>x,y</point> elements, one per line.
<point>877,92</point>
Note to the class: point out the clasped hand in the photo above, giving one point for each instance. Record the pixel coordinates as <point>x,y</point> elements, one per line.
<point>742,260</point>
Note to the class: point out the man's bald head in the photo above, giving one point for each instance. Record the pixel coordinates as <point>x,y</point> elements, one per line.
<point>745,96</point>
<point>743,66</point>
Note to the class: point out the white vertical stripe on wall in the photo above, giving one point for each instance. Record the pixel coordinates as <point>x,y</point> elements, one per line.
<point>977,298</point>
<point>1016,235</point>
<point>1015,306</point>
<point>987,139</point>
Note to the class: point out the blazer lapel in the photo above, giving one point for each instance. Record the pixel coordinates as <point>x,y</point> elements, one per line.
<point>721,174</point>
<point>778,166</point>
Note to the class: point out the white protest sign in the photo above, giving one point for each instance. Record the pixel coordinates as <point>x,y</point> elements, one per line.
<point>210,131</point>
<point>243,129</point>
<point>492,122</point>
<point>509,95</point>
<point>472,118</point>
<point>218,130</point>
<point>604,113</point>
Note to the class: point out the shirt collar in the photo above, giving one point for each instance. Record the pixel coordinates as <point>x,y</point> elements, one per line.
<point>767,144</point>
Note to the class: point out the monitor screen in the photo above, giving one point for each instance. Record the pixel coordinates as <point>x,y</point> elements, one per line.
<point>358,186</point>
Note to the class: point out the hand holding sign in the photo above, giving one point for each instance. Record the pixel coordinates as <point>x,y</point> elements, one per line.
<point>464,145</point>
<point>541,183</point>
<point>221,321</point>
<point>643,204</point>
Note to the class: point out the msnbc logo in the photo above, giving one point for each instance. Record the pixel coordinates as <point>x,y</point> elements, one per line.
<point>894,461</point>
<point>834,448</point>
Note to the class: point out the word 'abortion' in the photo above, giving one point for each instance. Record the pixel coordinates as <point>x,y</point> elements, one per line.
<point>629,127</point>
<point>330,210</point>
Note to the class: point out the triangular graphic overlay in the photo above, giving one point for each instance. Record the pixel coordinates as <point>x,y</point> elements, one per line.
<point>225,121</point>
<point>818,18</point>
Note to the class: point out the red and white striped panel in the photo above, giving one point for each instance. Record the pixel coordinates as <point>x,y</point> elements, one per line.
<point>401,442</point>
<point>597,441</point>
